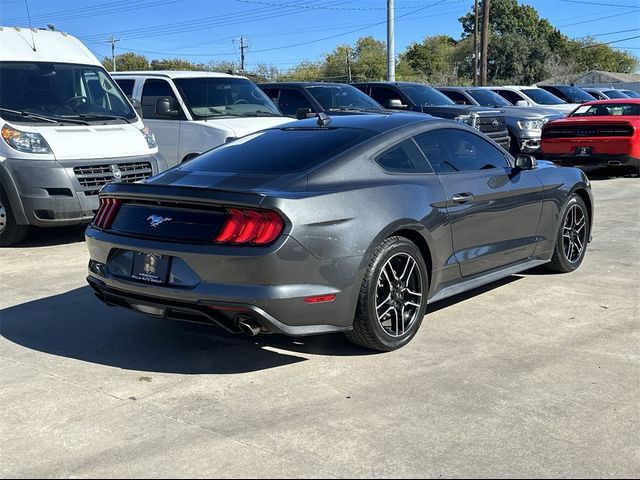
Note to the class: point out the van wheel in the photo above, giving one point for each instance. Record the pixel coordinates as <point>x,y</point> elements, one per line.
<point>10,232</point>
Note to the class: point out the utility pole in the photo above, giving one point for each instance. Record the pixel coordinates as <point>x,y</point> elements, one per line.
<point>475,45</point>
<point>349,64</point>
<point>391,43</point>
<point>243,47</point>
<point>113,41</point>
<point>485,42</point>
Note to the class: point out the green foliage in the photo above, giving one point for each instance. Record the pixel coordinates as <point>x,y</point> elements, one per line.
<point>127,62</point>
<point>177,64</point>
<point>591,55</point>
<point>432,59</point>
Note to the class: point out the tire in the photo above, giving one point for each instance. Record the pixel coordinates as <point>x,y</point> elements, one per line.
<point>397,281</point>
<point>10,232</point>
<point>573,232</point>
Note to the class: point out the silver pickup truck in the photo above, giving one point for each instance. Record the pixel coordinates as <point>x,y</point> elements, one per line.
<point>523,123</point>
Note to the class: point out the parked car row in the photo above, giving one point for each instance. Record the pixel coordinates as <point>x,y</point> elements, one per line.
<point>68,128</point>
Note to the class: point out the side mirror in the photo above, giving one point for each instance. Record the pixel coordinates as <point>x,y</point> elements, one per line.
<point>460,102</point>
<point>522,103</point>
<point>303,113</point>
<point>165,107</point>
<point>137,106</point>
<point>526,162</point>
<point>395,103</point>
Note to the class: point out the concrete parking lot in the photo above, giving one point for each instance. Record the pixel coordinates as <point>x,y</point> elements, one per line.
<point>537,376</point>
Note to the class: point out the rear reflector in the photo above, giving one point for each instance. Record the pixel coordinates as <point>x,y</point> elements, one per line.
<point>107,212</point>
<point>250,226</point>
<point>320,299</point>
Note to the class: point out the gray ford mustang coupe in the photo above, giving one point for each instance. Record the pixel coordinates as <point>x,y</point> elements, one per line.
<point>349,224</point>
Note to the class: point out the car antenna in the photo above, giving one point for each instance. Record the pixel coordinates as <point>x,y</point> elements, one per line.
<point>323,119</point>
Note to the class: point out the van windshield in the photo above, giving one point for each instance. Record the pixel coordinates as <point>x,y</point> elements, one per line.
<point>209,97</point>
<point>60,92</point>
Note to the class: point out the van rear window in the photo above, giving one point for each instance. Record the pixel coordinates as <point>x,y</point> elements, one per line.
<point>284,150</point>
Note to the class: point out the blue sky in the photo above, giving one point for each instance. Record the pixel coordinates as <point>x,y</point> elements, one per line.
<point>285,32</point>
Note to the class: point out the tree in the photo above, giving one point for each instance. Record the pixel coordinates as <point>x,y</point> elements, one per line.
<point>177,64</point>
<point>592,55</point>
<point>304,72</point>
<point>127,62</point>
<point>433,58</point>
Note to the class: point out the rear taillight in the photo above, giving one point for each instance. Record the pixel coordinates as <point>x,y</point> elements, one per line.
<point>107,212</point>
<point>250,226</point>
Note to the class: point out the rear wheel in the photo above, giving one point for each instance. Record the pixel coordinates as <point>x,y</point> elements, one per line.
<point>393,297</point>
<point>572,238</point>
<point>10,232</point>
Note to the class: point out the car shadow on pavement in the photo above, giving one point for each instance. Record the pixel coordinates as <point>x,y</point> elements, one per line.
<point>608,173</point>
<point>45,237</point>
<point>76,325</point>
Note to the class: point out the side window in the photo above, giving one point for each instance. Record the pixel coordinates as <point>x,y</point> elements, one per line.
<point>272,93</point>
<point>291,100</point>
<point>452,150</point>
<point>513,97</point>
<point>126,85</point>
<point>152,91</point>
<point>382,95</point>
<point>404,157</point>
<point>457,97</point>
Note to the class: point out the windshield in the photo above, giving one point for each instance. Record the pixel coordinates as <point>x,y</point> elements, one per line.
<point>606,110</point>
<point>423,95</point>
<point>342,97</point>
<point>487,98</point>
<point>60,91</point>
<point>575,94</point>
<point>209,97</point>
<point>614,94</point>
<point>542,97</point>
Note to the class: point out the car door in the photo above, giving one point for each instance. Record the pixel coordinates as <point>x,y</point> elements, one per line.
<point>165,128</point>
<point>494,209</point>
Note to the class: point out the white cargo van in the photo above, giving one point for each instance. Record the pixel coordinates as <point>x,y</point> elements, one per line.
<point>66,129</point>
<point>192,112</point>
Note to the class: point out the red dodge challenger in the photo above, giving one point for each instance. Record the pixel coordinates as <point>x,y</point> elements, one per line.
<point>604,132</point>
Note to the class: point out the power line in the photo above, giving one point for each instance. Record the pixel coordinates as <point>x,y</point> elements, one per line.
<point>312,7</point>
<point>592,20</point>
<point>608,33</point>
<point>609,43</point>
<point>601,4</point>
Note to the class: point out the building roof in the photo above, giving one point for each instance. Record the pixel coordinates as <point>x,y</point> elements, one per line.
<point>593,77</point>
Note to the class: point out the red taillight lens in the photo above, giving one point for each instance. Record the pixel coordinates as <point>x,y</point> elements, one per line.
<point>250,226</point>
<point>107,212</point>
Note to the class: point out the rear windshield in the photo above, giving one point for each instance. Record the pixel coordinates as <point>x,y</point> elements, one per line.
<point>284,150</point>
<point>542,97</point>
<point>617,109</point>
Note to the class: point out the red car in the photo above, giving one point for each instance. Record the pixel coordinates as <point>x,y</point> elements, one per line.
<point>604,132</point>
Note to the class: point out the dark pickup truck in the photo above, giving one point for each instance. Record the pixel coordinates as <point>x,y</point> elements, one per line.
<point>422,98</point>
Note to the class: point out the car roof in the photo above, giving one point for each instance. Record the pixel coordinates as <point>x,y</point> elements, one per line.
<point>599,89</point>
<point>175,74</point>
<point>390,83</point>
<point>511,87</point>
<point>613,101</point>
<point>302,84</point>
<point>379,123</point>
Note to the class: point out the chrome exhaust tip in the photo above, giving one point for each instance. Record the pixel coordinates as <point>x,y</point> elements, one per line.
<point>249,327</point>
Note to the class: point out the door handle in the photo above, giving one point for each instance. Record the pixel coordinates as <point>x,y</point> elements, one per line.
<point>462,197</point>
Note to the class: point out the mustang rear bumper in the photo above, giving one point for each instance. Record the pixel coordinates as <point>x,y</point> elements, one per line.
<point>224,285</point>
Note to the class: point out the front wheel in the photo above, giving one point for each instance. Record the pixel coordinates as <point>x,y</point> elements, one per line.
<point>393,297</point>
<point>10,232</point>
<point>572,237</point>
